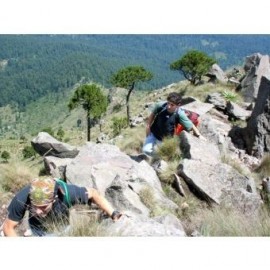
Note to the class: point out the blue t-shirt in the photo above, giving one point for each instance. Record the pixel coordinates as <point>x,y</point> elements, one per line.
<point>58,214</point>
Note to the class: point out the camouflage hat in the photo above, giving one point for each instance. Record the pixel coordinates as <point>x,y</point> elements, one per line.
<point>42,191</point>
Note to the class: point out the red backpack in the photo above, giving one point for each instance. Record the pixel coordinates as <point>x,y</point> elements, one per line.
<point>193,117</point>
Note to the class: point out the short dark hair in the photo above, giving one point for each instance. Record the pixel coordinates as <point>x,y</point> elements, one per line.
<point>174,98</point>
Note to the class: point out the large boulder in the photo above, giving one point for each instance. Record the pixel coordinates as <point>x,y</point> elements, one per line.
<point>256,67</point>
<point>194,148</point>
<point>217,74</point>
<point>257,133</point>
<point>118,177</point>
<point>166,225</point>
<point>221,184</point>
<point>44,144</point>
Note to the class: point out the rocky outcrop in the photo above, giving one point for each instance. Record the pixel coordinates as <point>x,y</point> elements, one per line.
<point>165,225</point>
<point>256,67</point>
<point>217,74</point>
<point>117,177</point>
<point>217,100</point>
<point>213,180</point>
<point>257,133</point>
<point>235,111</point>
<point>123,181</point>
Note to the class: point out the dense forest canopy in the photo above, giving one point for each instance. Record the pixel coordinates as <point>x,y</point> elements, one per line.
<point>32,66</point>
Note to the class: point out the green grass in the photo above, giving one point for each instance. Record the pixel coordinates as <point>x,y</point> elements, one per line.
<point>227,222</point>
<point>230,95</point>
<point>169,150</point>
<point>264,168</point>
<point>132,140</point>
<point>148,199</point>
<point>166,176</point>
<point>15,175</point>
<point>235,164</point>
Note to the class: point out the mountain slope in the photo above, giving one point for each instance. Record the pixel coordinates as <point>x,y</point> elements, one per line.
<point>32,66</point>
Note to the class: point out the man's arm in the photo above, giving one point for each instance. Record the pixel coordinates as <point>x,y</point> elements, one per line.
<point>103,204</point>
<point>9,227</point>
<point>149,123</point>
<point>197,133</point>
<point>16,211</point>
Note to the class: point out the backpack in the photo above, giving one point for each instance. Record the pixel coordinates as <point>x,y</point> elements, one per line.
<point>193,117</point>
<point>63,185</point>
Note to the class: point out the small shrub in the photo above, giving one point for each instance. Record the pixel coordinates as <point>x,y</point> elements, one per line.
<point>264,168</point>
<point>117,108</point>
<point>118,124</point>
<point>147,197</point>
<point>230,96</point>
<point>60,133</point>
<point>67,139</point>
<point>49,130</point>
<point>28,152</point>
<point>23,138</point>
<point>5,155</point>
<point>166,175</point>
<point>86,226</point>
<point>169,150</point>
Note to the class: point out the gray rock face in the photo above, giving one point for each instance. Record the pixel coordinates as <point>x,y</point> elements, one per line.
<point>217,73</point>
<point>193,148</point>
<point>142,226</point>
<point>198,107</point>
<point>222,184</point>
<point>256,67</point>
<point>56,166</point>
<point>217,100</point>
<point>45,144</point>
<point>116,175</point>
<point>210,179</point>
<point>215,130</point>
<point>237,112</point>
<point>257,132</point>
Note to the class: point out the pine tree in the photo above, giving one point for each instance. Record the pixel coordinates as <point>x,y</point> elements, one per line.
<point>91,98</point>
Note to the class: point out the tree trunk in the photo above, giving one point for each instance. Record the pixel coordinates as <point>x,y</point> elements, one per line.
<point>88,127</point>
<point>127,103</point>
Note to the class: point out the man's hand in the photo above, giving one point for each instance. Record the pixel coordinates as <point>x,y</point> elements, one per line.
<point>201,137</point>
<point>116,215</point>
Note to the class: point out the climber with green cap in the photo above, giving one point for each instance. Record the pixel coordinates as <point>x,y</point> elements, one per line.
<point>45,201</point>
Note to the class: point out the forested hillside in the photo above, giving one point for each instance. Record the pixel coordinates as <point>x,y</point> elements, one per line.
<point>31,66</point>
